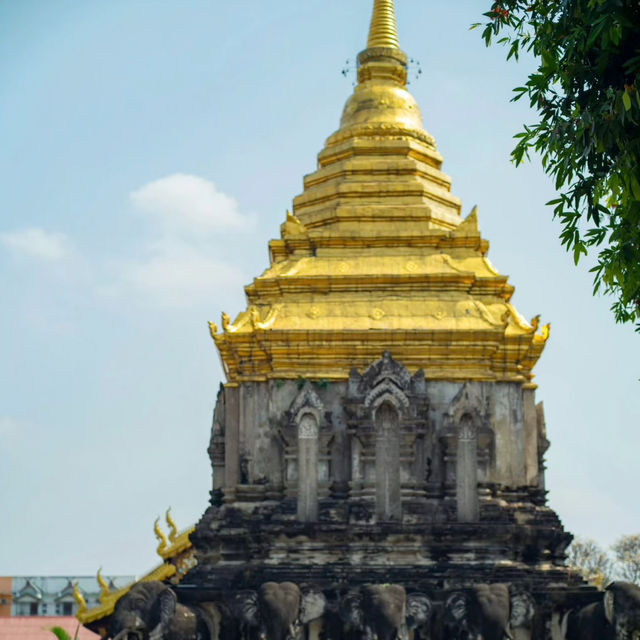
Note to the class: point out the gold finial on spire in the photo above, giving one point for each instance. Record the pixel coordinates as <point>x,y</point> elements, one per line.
<point>383,31</point>
<point>173,529</point>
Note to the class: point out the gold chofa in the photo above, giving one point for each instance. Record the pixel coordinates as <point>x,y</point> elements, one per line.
<point>383,31</point>
<point>375,256</point>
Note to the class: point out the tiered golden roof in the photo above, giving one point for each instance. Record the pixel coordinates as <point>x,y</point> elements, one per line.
<point>376,256</point>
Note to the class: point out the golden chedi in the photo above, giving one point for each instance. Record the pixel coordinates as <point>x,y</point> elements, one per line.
<point>376,256</point>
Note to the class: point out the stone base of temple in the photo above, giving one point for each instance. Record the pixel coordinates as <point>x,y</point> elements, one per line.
<point>446,577</point>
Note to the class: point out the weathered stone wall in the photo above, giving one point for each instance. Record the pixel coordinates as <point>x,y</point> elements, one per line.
<point>258,426</point>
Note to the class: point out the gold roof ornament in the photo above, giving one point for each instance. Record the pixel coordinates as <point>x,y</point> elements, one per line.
<point>104,587</point>
<point>163,543</point>
<point>177,558</point>
<point>383,31</point>
<point>79,598</point>
<point>173,529</point>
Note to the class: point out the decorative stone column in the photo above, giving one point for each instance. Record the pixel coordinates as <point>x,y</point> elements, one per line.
<point>467,471</point>
<point>307,467</point>
<point>388,499</point>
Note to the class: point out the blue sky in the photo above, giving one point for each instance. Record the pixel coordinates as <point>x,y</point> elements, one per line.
<point>149,151</point>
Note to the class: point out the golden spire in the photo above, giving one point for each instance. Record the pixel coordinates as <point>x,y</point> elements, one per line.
<point>383,31</point>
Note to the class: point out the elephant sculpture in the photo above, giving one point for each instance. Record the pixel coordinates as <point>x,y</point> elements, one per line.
<point>276,610</point>
<point>615,617</point>
<point>375,611</point>
<point>151,611</point>
<point>480,613</point>
<point>522,613</point>
<point>419,615</point>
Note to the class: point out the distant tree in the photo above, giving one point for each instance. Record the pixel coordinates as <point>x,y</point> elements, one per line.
<point>586,92</point>
<point>627,554</point>
<point>591,561</point>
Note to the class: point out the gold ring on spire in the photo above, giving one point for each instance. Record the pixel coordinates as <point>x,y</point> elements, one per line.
<point>383,31</point>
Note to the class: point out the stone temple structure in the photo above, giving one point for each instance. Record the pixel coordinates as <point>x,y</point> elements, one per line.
<point>377,449</point>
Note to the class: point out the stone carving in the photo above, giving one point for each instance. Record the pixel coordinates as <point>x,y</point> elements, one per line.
<point>467,448</point>
<point>287,611</point>
<point>521,617</point>
<point>615,617</point>
<point>419,615</point>
<point>374,611</point>
<point>481,612</point>
<point>543,442</point>
<point>217,448</point>
<point>276,611</point>
<point>387,424</point>
<point>151,610</point>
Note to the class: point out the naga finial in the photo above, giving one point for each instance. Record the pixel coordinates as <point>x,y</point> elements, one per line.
<point>162,538</point>
<point>545,331</point>
<point>173,529</point>
<point>79,598</point>
<point>104,587</point>
<point>213,329</point>
<point>226,321</point>
<point>535,322</point>
<point>543,336</point>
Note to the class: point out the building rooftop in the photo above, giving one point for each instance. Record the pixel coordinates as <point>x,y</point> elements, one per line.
<point>39,628</point>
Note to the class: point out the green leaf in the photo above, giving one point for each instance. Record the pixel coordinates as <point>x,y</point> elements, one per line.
<point>626,101</point>
<point>578,250</point>
<point>60,633</point>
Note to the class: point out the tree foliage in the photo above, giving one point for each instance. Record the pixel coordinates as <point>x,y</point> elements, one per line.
<point>598,567</point>
<point>591,561</point>
<point>586,92</point>
<point>627,554</point>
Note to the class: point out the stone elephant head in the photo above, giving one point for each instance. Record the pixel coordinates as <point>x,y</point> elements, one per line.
<point>479,613</point>
<point>150,611</point>
<point>419,615</point>
<point>615,617</point>
<point>276,610</point>
<point>374,611</point>
<point>522,613</point>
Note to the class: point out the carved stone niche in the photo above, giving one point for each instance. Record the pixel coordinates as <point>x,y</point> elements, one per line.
<point>467,445</point>
<point>307,458</point>
<point>386,411</point>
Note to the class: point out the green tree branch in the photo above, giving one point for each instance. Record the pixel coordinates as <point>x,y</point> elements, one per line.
<point>586,92</point>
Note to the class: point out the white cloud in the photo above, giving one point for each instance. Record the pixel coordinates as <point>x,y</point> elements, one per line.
<point>189,203</point>
<point>174,274</point>
<point>37,243</point>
